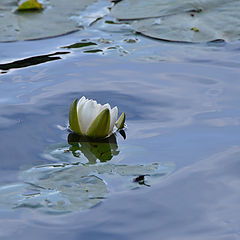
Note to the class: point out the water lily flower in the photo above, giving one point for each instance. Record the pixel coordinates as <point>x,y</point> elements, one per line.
<point>91,119</point>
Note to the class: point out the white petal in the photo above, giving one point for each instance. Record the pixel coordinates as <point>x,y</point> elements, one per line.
<point>87,114</point>
<point>98,108</point>
<point>113,119</point>
<point>106,106</point>
<point>81,102</point>
<point>88,110</point>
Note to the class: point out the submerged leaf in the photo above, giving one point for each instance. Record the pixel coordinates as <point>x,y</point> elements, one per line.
<point>64,188</point>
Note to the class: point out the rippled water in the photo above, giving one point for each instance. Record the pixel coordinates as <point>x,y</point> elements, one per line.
<point>182,108</point>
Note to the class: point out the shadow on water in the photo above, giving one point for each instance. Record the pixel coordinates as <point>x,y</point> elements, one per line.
<point>31,61</point>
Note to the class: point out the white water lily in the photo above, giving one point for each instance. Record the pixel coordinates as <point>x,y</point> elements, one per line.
<point>91,119</point>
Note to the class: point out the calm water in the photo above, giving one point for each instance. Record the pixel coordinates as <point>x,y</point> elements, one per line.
<point>182,107</point>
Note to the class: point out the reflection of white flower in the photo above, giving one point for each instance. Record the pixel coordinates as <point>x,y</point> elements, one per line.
<point>91,119</point>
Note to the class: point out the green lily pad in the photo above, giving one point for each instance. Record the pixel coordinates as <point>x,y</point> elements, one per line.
<point>55,19</point>
<point>184,21</point>
<point>132,9</point>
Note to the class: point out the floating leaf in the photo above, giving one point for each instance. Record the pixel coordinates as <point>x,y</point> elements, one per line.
<point>54,20</point>
<point>132,9</point>
<point>30,5</point>
<point>187,21</point>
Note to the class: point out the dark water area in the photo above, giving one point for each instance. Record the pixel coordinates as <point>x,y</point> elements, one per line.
<point>182,108</point>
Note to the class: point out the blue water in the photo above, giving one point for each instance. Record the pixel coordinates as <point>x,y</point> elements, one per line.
<point>182,108</point>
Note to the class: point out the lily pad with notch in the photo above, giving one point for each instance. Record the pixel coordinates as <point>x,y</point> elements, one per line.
<point>54,20</point>
<point>183,21</point>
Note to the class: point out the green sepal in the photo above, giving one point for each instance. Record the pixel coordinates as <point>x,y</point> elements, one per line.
<point>100,126</point>
<point>73,118</point>
<point>120,122</point>
<point>30,5</point>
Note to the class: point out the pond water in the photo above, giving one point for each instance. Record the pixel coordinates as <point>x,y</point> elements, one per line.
<point>183,118</point>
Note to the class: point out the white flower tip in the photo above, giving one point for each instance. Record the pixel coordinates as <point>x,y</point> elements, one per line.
<point>94,120</point>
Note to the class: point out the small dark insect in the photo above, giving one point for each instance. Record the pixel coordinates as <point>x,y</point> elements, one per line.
<point>192,15</point>
<point>67,150</point>
<point>141,180</point>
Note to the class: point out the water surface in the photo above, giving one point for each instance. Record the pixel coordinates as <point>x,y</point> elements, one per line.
<point>182,108</point>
